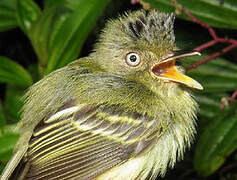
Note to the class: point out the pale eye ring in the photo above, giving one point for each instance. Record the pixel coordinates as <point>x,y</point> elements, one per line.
<point>133,59</point>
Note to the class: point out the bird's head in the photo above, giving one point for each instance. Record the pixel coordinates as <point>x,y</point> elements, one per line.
<point>141,45</point>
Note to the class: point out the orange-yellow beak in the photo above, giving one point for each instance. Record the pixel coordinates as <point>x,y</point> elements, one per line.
<point>167,70</point>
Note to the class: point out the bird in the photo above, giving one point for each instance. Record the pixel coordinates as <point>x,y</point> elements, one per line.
<point>124,112</point>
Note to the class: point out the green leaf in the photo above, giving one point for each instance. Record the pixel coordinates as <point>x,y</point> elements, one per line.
<point>222,14</point>
<point>27,13</point>
<point>69,36</point>
<point>217,75</point>
<point>33,70</point>
<point>11,72</point>
<point>209,103</point>
<point>217,142</point>
<point>209,107</point>
<point>8,18</point>
<point>13,103</point>
<point>40,32</point>
<point>62,29</point>
<point>53,16</point>
<point>2,118</point>
<point>7,143</point>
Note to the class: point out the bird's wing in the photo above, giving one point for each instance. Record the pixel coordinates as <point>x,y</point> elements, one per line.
<point>13,163</point>
<point>84,141</point>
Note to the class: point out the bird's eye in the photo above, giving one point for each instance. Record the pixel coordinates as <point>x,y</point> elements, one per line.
<point>133,59</point>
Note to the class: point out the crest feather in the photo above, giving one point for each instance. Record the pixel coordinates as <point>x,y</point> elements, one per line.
<point>152,27</point>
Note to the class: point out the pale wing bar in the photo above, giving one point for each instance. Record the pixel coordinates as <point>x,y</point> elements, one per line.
<point>84,141</point>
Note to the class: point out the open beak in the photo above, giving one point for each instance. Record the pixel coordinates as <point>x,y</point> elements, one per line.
<point>167,70</point>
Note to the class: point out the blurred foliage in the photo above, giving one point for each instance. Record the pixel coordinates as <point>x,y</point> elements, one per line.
<point>8,14</point>
<point>13,73</point>
<point>58,32</point>
<point>217,142</point>
<point>217,13</point>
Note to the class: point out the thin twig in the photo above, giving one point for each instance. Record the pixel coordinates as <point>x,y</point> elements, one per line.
<point>234,96</point>
<point>227,101</point>
<point>206,45</point>
<point>134,1</point>
<point>211,57</point>
<point>203,24</point>
<point>215,40</point>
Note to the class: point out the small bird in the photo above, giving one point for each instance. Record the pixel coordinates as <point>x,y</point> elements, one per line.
<point>125,112</point>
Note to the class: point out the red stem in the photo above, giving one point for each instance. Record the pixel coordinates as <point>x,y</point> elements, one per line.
<point>206,26</point>
<point>206,45</point>
<point>233,97</point>
<point>211,57</point>
<point>215,40</point>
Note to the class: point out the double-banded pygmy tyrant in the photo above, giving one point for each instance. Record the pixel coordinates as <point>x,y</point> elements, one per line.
<point>122,113</point>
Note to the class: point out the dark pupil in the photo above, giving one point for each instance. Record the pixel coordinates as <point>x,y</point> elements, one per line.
<point>133,58</point>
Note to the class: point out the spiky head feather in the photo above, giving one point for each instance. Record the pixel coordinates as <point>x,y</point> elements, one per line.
<point>148,28</point>
<point>151,27</point>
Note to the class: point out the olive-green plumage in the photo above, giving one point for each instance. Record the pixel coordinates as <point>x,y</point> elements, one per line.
<point>108,115</point>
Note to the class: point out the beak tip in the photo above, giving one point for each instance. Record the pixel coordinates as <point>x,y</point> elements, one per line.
<point>200,88</point>
<point>197,53</point>
<point>197,85</point>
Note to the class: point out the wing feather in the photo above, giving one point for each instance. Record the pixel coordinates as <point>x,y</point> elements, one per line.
<point>84,141</point>
<point>13,163</point>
